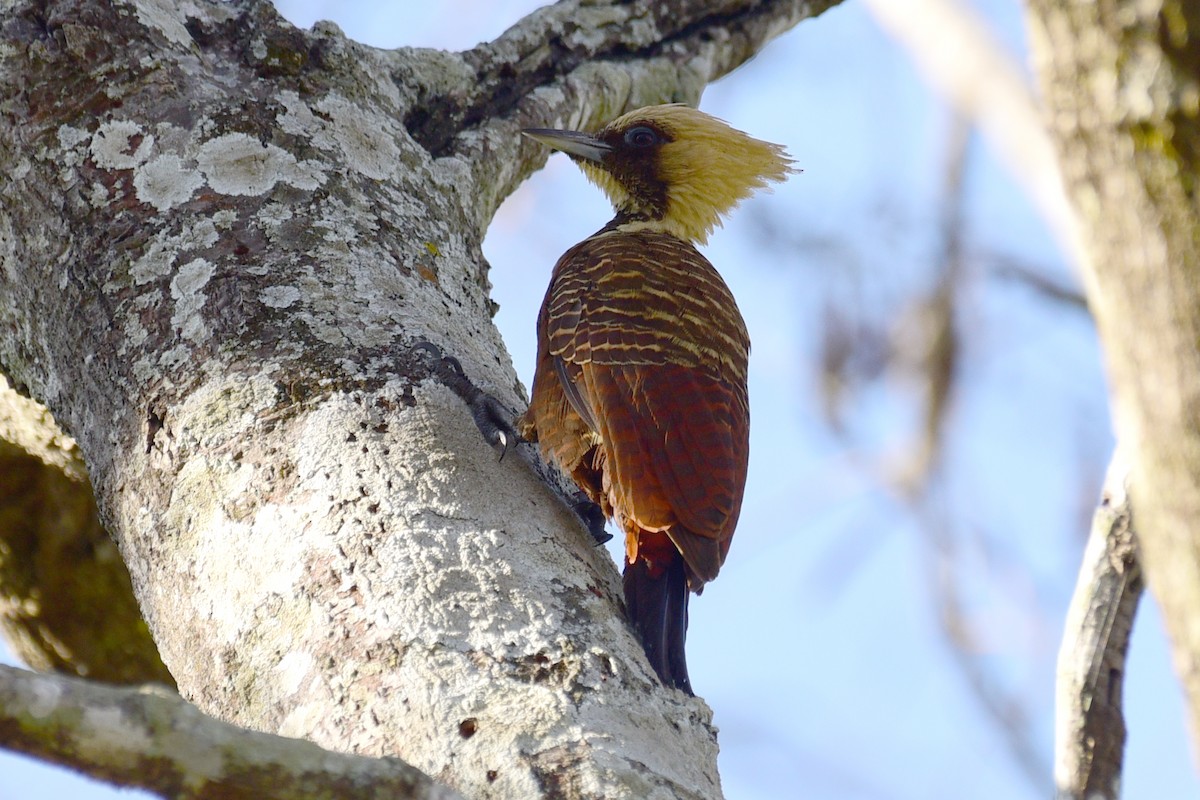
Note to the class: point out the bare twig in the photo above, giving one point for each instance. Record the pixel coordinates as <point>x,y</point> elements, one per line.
<point>941,368</point>
<point>1089,729</point>
<point>1011,269</point>
<point>1006,711</point>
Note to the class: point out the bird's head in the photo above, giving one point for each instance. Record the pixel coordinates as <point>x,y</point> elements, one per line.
<point>671,167</point>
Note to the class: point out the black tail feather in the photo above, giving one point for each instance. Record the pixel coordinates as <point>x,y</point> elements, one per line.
<point>658,611</point>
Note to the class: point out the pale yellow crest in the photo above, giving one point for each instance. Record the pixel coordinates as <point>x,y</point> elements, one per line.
<point>707,166</point>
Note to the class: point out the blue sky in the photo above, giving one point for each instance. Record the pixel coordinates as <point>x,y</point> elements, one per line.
<point>820,647</point>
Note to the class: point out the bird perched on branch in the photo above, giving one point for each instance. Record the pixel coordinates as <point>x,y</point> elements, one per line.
<point>640,387</point>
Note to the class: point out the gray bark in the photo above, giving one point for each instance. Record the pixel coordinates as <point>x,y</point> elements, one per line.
<point>1120,83</point>
<point>1089,716</point>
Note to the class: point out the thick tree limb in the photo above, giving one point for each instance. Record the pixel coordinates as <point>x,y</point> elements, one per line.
<point>151,739</point>
<point>1089,726</point>
<point>1120,84</point>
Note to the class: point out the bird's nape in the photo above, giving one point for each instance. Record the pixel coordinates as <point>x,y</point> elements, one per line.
<point>672,167</point>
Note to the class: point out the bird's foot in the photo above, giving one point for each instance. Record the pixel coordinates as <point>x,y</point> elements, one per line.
<point>494,420</point>
<point>592,517</point>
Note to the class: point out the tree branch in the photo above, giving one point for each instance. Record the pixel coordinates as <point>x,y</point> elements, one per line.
<point>697,41</point>
<point>578,64</point>
<point>1121,88</point>
<point>1089,729</point>
<point>151,739</point>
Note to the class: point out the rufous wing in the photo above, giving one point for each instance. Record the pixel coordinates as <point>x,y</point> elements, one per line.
<point>677,442</point>
<point>651,352</point>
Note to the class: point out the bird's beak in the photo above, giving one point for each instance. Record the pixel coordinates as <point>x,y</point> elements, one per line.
<point>573,143</point>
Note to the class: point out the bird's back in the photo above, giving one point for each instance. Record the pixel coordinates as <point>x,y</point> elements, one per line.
<point>640,391</point>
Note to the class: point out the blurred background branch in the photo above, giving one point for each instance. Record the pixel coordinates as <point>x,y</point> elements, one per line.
<point>66,603</point>
<point>960,57</point>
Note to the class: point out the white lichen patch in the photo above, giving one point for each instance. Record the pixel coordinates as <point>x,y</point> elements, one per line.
<point>187,288</point>
<point>259,49</point>
<point>279,296</point>
<point>152,264</point>
<point>341,223</point>
<point>98,196</point>
<point>169,360</point>
<point>593,24</point>
<point>272,215</point>
<point>293,669</point>
<point>241,165</point>
<point>46,697</point>
<point>166,16</point>
<point>106,733</point>
<point>297,118</point>
<point>135,332</point>
<point>69,136</point>
<point>112,147</point>
<point>159,258</point>
<point>164,182</point>
<point>363,137</point>
<point>225,218</point>
<point>21,168</point>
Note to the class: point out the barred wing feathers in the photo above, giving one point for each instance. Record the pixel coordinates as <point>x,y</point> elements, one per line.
<point>652,353</point>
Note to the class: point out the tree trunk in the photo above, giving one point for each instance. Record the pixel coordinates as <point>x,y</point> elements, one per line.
<point>219,239</point>
<point>1121,84</point>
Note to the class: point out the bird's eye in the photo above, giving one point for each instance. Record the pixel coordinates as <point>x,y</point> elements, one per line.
<point>641,136</point>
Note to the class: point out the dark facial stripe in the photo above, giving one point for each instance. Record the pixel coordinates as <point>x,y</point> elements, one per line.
<point>637,170</point>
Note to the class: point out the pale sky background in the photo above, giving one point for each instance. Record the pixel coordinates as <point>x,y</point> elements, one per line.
<point>820,647</point>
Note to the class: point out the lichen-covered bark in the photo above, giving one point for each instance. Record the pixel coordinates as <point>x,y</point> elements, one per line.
<point>154,740</point>
<point>1121,84</point>
<point>219,239</point>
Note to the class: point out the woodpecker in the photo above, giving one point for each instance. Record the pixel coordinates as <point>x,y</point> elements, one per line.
<point>639,392</point>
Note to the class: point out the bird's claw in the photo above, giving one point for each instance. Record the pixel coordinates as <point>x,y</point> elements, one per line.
<point>592,517</point>
<point>494,421</point>
<point>443,366</point>
<point>493,418</point>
